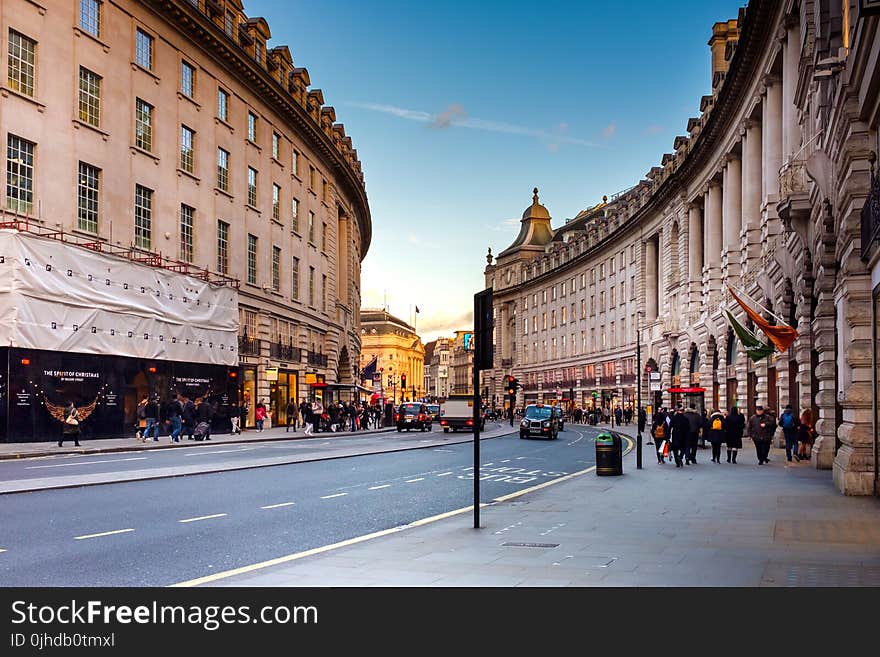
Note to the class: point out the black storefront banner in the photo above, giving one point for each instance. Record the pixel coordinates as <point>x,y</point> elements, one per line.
<point>36,386</point>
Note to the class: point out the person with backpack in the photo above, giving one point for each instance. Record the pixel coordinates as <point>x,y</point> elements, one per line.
<point>735,425</point>
<point>790,425</point>
<point>717,434</point>
<point>173,411</point>
<point>189,418</point>
<point>660,433</point>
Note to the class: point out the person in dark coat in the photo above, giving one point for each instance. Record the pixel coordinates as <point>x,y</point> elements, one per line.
<point>70,426</point>
<point>659,420</point>
<point>695,422</point>
<point>761,426</point>
<point>736,424</point>
<point>680,429</point>
<point>205,414</point>
<point>189,418</point>
<point>716,434</point>
<point>292,413</point>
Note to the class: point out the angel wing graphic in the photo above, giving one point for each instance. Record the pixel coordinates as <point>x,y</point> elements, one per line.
<point>60,412</point>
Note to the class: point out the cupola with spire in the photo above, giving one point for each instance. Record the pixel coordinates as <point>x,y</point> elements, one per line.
<point>535,231</point>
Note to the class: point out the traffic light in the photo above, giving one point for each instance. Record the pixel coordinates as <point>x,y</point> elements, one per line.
<point>512,385</point>
<point>595,395</point>
<point>403,380</point>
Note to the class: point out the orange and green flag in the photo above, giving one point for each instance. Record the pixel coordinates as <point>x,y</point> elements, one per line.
<point>781,335</point>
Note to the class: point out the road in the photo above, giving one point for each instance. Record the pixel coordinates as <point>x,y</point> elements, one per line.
<point>163,531</point>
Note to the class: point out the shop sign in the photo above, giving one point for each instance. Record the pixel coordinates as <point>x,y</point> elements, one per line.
<point>271,374</point>
<point>311,378</point>
<point>655,386</point>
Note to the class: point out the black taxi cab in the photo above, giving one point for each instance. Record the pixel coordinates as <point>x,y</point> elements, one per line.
<point>413,415</point>
<point>539,421</point>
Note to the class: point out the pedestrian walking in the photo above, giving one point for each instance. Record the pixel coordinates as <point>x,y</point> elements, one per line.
<point>308,416</point>
<point>260,415</point>
<point>292,413</point>
<point>151,414</point>
<point>680,435</point>
<point>695,422</point>
<point>661,434</point>
<point>736,424</point>
<point>235,419</point>
<point>188,417</point>
<point>70,428</point>
<point>761,426</point>
<point>173,412</point>
<point>806,435</point>
<point>643,420</point>
<point>141,419</point>
<point>618,416</point>
<point>790,425</point>
<point>717,434</point>
<point>205,413</point>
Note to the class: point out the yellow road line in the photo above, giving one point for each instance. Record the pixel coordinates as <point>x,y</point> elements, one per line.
<point>216,515</point>
<point>115,531</point>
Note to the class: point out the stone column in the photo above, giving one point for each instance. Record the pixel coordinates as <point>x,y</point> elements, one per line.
<point>651,282</point>
<point>752,177</point>
<point>732,216</point>
<point>695,256</point>
<point>791,52</point>
<point>714,235</point>
<point>772,138</point>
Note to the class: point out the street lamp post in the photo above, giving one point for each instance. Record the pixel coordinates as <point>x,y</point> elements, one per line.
<point>638,391</point>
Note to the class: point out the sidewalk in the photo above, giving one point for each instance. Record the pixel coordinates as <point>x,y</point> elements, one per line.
<point>716,525</point>
<point>104,445</point>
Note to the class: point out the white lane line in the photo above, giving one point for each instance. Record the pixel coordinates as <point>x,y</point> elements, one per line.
<point>443,474</point>
<point>486,465</point>
<point>330,497</point>
<point>2,550</point>
<point>275,506</point>
<point>412,481</point>
<point>115,531</point>
<point>443,450</point>
<point>378,487</point>
<point>64,465</point>
<point>506,461</point>
<point>221,451</point>
<point>216,515</point>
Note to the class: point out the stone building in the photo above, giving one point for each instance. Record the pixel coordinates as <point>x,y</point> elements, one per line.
<point>172,127</point>
<point>438,355</point>
<point>399,354</point>
<point>768,193</point>
<point>462,363</point>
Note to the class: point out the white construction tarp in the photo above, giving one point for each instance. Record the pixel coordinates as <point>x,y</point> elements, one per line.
<point>60,297</point>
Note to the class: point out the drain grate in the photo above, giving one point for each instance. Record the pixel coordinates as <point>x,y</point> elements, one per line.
<point>529,545</point>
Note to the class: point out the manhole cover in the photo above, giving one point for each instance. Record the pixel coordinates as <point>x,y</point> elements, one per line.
<point>529,545</point>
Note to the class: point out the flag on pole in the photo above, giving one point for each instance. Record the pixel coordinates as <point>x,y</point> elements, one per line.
<point>754,348</point>
<point>781,335</point>
<point>417,310</point>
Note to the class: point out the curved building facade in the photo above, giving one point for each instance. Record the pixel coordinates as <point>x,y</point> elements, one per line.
<point>171,127</point>
<point>772,192</point>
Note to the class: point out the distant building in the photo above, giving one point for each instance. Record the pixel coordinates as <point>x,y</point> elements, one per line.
<point>438,354</point>
<point>462,363</point>
<point>398,351</point>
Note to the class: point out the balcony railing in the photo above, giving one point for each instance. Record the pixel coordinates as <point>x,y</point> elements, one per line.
<point>248,346</point>
<point>287,352</point>
<point>871,218</point>
<point>316,359</point>
<point>793,178</point>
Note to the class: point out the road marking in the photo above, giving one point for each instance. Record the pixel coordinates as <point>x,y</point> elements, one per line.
<point>378,487</point>
<point>275,506</point>
<point>361,539</point>
<point>64,465</point>
<point>444,450</point>
<point>216,515</point>
<point>506,461</point>
<point>443,474</point>
<point>330,497</point>
<point>221,451</point>
<point>486,465</point>
<point>412,481</point>
<point>115,531</point>
<point>2,550</point>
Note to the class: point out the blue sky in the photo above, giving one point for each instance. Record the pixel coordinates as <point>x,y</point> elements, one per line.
<point>459,109</point>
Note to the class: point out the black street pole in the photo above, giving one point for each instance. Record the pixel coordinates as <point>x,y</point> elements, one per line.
<point>638,398</point>
<point>512,407</point>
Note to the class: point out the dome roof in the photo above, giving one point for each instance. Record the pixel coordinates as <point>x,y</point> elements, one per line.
<point>536,210</point>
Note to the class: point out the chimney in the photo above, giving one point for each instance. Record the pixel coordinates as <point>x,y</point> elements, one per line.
<point>723,32</point>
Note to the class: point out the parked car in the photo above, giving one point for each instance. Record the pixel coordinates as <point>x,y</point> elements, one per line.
<point>539,421</point>
<point>434,412</point>
<point>413,415</point>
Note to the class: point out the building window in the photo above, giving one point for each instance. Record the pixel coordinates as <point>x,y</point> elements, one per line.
<point>276,268</point>
<point>222,170</point>
<point>553,293</point>
<point>294,208</point>
<point>296,163</point>
<point>143,125</point>
<point>187,79</point>
<point>252,259</point>
<point>311,226</point>
<point>88,186</point>
<point>222,105</point>
<point>22,63</point>
<point>89,97</point>
<point>583,309</point>
<point>144,50</point>
<point>186,232</point>
<point>186,149</point>
<point>562,319</point>
<point>294,279</point>
<point>324,292</point>
<point>19,175</point>
<point>324,236</point>
<point>143,217</point>
<point>258,52</point>
<point>602,301</point>
<point>252,127</point>
<point>276,145</point>
<point>90,16</point>
<point>583,281</point>
<point>612,296</point>
<point>222,247</point>
<point>276,202</point>
<point>312,178</point>
<point>229,24</point>
<point>252,187</point>
<point>325,189</point>
<point>544,321</point>
<point>311,286</point>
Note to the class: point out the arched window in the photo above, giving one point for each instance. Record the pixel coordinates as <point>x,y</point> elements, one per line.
<point>673,252</point>
<point>731,347</point>
<point>676,363</point>
<point>695,358</point>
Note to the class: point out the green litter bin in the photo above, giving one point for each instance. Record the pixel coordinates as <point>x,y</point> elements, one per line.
<point>609,455</point>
